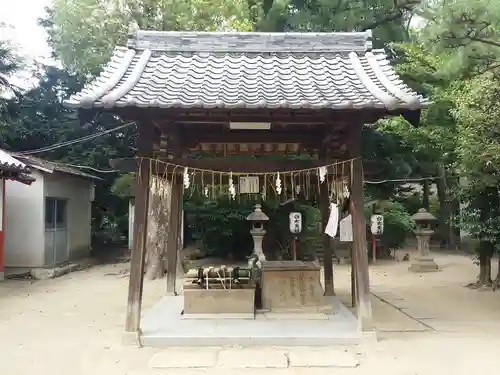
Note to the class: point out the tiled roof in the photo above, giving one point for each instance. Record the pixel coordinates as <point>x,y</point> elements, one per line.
<point>248,70</point>
<point>51,167</point>
<point>8,161</point>
<point>13,169</point>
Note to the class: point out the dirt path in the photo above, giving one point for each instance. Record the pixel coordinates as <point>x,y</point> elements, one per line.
<point>73,325</point>
<point>70,325</point>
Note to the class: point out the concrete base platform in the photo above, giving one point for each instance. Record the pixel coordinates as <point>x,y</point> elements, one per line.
<point>239,358</point>
<point>199,301</point>
<point>218,316</point>
<point>164,326</point>
<point>421,264</point>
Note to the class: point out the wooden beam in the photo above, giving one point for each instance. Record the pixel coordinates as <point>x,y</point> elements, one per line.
<point>175,148</point>
<point>173,234</point>
<point>252,136</point>
<point>278,115</point>
<point>360,252</point>
<point>135,286</point>
<point>353,276</point>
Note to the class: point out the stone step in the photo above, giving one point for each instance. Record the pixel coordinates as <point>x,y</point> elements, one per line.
<point>340,253</point>
<point>255,357</point>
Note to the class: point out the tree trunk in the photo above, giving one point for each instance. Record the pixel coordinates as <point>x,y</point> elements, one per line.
<point>496,283</point>
<point>159,215</point>
<point>445,210</point>
<point>455,229</point>
<point>426,194</point>
<point>485,255</point>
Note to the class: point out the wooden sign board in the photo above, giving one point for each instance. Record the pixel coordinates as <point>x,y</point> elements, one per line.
<point>345,229</point>
<point>249,185</point>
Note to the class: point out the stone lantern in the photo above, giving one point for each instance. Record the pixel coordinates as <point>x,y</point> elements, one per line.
<point>423,262</point>
<point>257,219</point>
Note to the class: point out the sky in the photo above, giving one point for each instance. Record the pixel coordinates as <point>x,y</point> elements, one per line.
<point>26,36</point>
<point>22,15</point>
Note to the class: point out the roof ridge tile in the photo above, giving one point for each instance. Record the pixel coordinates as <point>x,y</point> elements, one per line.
<point>256,42</point>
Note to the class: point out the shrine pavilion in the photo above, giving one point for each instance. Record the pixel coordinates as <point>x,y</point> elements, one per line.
<point>247,94</point>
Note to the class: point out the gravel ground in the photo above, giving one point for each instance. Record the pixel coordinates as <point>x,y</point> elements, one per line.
<point>428,324</point>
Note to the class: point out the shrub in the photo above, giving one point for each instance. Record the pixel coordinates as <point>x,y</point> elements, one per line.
<point>398,223</point>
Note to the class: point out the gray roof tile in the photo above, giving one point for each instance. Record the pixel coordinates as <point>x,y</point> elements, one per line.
<point>248,70</point>
<point>51,166</point>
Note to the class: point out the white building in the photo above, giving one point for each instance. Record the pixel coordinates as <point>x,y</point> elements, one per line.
<point>49,221</point>
<point>16,172</point>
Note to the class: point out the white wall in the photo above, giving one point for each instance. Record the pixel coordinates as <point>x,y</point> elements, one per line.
<point>24,223</point>
<point>79,192</point>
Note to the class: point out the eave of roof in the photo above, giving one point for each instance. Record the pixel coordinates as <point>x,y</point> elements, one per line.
<point>337,71</point>
<point>8,162</point>
<point>22,177</point>
<point>13,169</point>
<point>51,167</point>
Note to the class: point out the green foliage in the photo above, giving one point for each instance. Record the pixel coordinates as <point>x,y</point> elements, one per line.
<point>434,140</point>
<point>123,186</point>
<point>10,64</point>
<point>221,227</point>
<point>411,202</point>
<point>468,31</point>
<point>387,18</point>
<point>478,139</point>
<point>83,33</point>
<point>38,119</point>
<point>398,224</point>
<point>278,240</point>
<point>478,148</point>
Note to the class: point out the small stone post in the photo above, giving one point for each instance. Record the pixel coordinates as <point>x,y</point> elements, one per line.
<point>423,262</point>
<point>257,218</point>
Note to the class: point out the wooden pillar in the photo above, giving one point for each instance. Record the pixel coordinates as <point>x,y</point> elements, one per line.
<point>138,256</point>
<point>324,203</point>
<point>353,277</point>
<point>360,253</point>
<point>175,148</point>
<point>174,227</point>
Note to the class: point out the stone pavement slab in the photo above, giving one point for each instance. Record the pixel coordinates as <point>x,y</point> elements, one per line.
<point>272,371</point>
<point>184,358</point>
<point>266,357</point>
<point>390,319</point>
<point>418,313</point>
<point>322,357</point>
